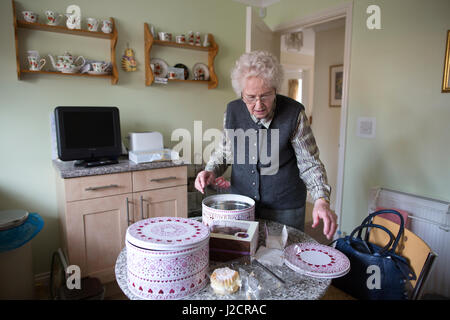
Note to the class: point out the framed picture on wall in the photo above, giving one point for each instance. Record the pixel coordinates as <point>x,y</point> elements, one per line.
<point>446,77</point>
<point>336,83</point>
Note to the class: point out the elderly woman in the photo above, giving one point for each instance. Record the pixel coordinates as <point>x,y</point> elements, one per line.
<point>282,131</point>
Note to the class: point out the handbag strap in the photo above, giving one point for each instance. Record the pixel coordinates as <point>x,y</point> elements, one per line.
<point>370,217</point>
<point>370,225</point>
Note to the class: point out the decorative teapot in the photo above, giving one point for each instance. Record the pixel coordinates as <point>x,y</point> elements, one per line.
<point>67,63</point>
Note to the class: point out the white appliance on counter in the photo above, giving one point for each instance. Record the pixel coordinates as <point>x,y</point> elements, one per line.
<point>146,141</point>
<point>149,147</point>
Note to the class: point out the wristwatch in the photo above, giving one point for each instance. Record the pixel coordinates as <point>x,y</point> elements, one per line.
<point>326,199</point>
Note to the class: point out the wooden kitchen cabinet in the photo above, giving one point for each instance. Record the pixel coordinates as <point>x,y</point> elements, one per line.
<point>95,212</point>
<point>162,192</point>
<point>168,202</point>
<point>96,230</point>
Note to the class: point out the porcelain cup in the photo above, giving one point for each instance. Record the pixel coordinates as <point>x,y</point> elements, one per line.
<point>165,36</point>
<point>35,63</point>
<point>99,67</point>
<point>29,16</point>
<point>53,18</point>
<point>180,39</point>
<point>92,24</point>
<point>190,37</point>
<point>106,26</point>
<point>198,39</point>
<point>172,75</point>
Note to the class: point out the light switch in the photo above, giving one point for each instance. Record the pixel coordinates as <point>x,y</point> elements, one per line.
<point>366,127</point>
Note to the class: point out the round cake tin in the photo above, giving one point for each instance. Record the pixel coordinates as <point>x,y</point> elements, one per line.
<point>227,207</point>
<point>167,257</point>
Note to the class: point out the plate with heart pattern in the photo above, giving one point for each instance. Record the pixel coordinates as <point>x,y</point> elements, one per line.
<point>316,260</point>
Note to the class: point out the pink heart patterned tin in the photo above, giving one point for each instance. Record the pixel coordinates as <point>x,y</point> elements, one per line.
<point>167,257</point>
<point>227,207</point>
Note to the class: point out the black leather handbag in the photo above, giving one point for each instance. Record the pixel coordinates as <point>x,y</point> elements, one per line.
<point>376,273</point>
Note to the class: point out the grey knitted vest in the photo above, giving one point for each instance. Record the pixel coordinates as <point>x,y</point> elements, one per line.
<point>251,172</point>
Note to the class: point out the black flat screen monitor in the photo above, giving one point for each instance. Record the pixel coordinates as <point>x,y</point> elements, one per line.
<point>89,134</point>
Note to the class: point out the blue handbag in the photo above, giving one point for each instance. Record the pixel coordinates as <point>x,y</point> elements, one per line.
<point>376,273</point>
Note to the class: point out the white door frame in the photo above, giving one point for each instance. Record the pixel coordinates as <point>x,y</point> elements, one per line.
<point>342,11</point>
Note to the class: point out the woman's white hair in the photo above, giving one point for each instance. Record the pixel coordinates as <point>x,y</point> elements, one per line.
<point>260,64</point>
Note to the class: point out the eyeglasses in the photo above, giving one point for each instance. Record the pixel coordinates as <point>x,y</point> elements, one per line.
<point>265,98</point>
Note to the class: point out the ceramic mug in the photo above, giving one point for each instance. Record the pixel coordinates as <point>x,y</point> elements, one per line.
<point>99,67</point>
<point>190,37</point>
<point>165,36</point>
<point>53,18</point>
<point>35,63</point>
<point>92,24</point>
<point>180,39</point>
<point>29,16</point>
<point>197,39</point>
<point>172,75</point>
<point>107,26</point>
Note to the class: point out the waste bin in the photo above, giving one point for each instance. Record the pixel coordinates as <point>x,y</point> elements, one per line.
<point>17,229</point>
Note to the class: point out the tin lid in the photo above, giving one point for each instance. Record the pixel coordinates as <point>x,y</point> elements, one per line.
<point>12,218</point>
<point>167,233</point>
<point>228,202</point>
<point>18,229</point>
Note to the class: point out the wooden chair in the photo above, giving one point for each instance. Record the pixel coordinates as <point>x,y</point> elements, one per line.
<point>421,257</point>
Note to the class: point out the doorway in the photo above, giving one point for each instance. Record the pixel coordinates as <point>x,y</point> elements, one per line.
<point>323,47</point>
<point>261,37</point>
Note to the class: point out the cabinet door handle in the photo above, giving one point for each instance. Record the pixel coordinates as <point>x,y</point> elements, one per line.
<point>142,207</point>
<point>101,187</point>
<point>128,212</point>
<point>163,179</point>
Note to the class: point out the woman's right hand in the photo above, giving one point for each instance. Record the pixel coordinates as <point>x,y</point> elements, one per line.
<point>204,178</point>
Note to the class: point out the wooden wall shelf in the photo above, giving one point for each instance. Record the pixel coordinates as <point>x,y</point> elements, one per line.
<point>67,74</point>
<point>212,52</point>
<point>20,24</point>
<point>62,29</point>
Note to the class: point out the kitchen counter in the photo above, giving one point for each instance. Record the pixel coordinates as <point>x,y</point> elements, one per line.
<point>297,287</point>
<point>67,169</point>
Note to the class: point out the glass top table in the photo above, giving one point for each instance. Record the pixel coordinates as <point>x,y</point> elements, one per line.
<point>296,286</point>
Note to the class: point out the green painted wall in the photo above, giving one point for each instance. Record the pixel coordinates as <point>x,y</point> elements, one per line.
<point>26,173</point>
<point>395,76</point>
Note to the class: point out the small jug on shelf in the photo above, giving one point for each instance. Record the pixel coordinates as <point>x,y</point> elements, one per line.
<point>35,63</point>
<point>107,26</point>
<point>53,18</point>
<point>206,42</point>
<point>92,24</point>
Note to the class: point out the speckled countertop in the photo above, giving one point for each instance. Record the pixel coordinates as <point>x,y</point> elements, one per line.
<point>297,286</point>
<point>67,169</point>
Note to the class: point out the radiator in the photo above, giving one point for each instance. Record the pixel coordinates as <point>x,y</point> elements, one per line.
<point>430,220</point>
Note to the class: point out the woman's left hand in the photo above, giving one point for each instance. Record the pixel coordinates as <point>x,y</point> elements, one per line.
<point>322,211</point>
